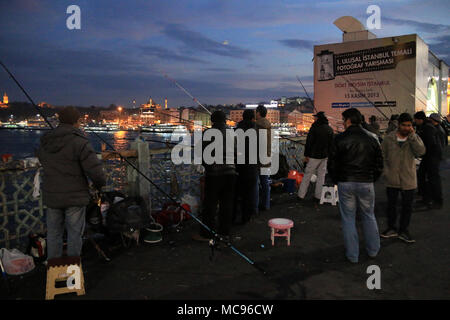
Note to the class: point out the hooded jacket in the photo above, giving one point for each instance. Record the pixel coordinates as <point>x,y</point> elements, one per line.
<point>68,159</point>
<point>430,137</point>
<point>263,123</point>
<point>399,162</point>
<point>319,139</point>
<point>247,167</point>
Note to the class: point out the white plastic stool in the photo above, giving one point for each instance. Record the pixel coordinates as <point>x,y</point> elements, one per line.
<point>332,193</point>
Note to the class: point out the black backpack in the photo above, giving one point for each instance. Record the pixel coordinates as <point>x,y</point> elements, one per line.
<point>127,215</point>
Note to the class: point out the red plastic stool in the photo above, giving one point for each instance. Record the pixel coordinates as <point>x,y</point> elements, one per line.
<point>281,227</point>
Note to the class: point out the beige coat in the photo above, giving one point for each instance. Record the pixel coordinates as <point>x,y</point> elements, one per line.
<point>399,162</point>
<point>263,123</point>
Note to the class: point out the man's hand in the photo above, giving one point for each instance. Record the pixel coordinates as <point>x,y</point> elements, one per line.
<point>412,131</point>
<point>306,159</point>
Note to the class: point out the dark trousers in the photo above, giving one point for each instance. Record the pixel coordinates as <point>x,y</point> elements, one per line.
<point>219,190</point>
<point>407,198</point>
<point>247,194</point>
<point>429,180</point>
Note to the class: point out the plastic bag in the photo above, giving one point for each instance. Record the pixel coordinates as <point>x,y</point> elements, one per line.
<point>15,262</point>
<point>192,202</point>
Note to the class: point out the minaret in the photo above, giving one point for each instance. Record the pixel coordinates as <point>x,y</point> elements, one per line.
<point>165,103</point>
<point>151,102</point>
<point>5,98</point>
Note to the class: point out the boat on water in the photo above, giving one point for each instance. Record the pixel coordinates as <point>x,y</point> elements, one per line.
<point>164,128</point>
<point>284,131</point>
<point>102,127</point>
<point>23,125</point>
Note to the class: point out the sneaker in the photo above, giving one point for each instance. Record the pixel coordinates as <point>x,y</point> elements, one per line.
<point>405,236</point>
<point>153,237</point>
<point>389,233</point>
<point>353,261</point>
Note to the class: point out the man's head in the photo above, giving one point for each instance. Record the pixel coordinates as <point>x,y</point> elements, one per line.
<point>261,112</point>
<point>351,116</point>
<point>69,115</point>
<point>435,119</point>
<point>218,117</point>
<point>319,115</point>
<point>248,115</point>
<point>405,124</point>
<point>372,119</point>
<point>419,117</point>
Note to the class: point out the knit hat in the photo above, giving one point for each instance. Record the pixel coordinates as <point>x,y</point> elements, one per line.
<point>319,114</point>
<point>218,117</point>
<point>435,117</point>
<point>68,115</point>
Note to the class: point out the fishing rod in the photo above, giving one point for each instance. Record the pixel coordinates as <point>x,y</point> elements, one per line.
<point>416,87</point>
<point>26,94</point>
<point>216,236</point>
<point>363,95</point>
<point>185,91</point>
<point>314,107</point>
<point>382,91</point>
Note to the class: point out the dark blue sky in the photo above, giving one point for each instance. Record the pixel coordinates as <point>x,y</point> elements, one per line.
<point>222,51</point>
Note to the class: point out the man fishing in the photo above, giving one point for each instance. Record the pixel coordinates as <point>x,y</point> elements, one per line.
<point>68,160</point>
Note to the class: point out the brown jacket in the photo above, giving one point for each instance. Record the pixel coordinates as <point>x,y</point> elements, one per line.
<point>399,162</point>
<point>263,123</point>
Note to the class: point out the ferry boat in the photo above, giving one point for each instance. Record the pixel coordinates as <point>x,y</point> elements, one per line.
<point>164,128</point>
<point>102,127</point>
<point>284,131</point>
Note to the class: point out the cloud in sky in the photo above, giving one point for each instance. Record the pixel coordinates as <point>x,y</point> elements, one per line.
<point>419,26</point>
<point>198,42</point>
<point>222,51</point>
<point>166,54</point>
<point>298,44</point>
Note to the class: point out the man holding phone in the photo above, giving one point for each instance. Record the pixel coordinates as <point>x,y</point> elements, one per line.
<point>400,149</point>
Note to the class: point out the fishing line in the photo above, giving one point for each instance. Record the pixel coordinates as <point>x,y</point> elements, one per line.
<point>314,107</point>
<point>185,91</point>
<point>363,95</point>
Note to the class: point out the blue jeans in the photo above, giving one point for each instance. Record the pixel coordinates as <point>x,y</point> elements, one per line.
<point>358,197</point>
<point>264,198</point>
<point>74,220</point>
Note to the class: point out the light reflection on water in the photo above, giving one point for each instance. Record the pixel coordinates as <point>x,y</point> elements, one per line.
<point>23,143</point>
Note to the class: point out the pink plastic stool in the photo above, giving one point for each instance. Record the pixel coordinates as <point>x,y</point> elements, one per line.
<point>281,228</point>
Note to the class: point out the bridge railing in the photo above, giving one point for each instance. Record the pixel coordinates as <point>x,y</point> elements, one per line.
<point>21,214</point>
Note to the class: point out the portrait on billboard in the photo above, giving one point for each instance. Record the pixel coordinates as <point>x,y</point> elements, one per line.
<point>325,63</point>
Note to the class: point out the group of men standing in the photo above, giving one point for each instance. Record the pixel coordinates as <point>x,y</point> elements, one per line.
<point>355,159</point>
<point>229,185</point>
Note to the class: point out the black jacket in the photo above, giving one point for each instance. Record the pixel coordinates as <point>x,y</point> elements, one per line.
<point>355,157</point>
<point>431,139</point>
<point>319,140</point>
<point>219,169</point>
<point>247,167</point>
<point>68,159</point>
<point>443,136</point>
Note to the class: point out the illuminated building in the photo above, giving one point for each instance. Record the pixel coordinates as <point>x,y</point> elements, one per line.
<point>378,76</point>
<point>273,115</point>
<point>5,102</point>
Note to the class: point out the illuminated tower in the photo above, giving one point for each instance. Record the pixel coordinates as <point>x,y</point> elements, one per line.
<point>151,102</point>
<point>5,98</point>
<point>165,103</point>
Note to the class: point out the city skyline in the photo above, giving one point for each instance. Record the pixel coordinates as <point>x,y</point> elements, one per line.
<point>222,52</point>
